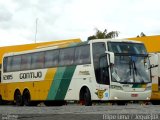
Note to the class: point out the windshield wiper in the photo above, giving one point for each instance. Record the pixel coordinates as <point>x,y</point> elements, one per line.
<point>134,67</point>
<point>130,67</point>
<point>152,66</point>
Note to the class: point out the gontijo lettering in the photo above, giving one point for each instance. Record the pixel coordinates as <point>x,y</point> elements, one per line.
<point>30,75</point>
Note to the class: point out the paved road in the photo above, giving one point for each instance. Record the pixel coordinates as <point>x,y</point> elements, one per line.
<point>74,112</point>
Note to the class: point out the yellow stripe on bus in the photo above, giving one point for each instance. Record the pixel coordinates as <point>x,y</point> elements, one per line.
<point>46,84</point>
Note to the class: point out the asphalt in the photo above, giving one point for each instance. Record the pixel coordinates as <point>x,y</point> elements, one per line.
<point>77,112</point>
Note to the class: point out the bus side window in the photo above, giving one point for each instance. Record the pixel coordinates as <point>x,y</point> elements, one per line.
<point>9,64</point>
<point>78,53</point>
<point>82,55</point>
<point>66,56</point>
<point>37,60</point>
<point>26,62</point>
<point>5,64</point>
<point>104,71</point>
<point>51,58</point>
<point>16,63</point>
<point>98,50</point>
<point>86,54</point>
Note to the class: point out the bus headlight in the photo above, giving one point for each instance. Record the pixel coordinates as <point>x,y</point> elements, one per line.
<point>148,88</point>
<point>148,98</point>
<point>116,98</point>
<point>116,87</point>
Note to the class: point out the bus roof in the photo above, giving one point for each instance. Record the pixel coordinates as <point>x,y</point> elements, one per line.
<point>115,40</point>
<point>65,44</point>
<point>26,47</point>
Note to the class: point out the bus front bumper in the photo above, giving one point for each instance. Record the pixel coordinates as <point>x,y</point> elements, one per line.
<point>121,95</point>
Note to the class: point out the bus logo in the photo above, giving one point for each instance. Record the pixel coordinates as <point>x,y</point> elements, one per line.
<point>84,73</point>
<point>100,93</point>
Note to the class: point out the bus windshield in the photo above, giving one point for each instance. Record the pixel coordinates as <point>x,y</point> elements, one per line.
<point>125,47</point>
<point>131,69</point>
<point>131,63</point>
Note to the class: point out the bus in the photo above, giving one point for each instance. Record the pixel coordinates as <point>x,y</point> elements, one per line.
<point>155,62</point>
<point>97,70</point>
<point>152,44</point>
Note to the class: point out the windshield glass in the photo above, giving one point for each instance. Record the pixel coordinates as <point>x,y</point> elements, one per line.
<point>126,47</point>
<point>131,62</point>
<point>131,69</point>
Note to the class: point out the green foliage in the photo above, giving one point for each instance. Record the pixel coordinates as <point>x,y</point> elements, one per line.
<point>141,35</point>
<point>92,37</point>
<point>103,35</point>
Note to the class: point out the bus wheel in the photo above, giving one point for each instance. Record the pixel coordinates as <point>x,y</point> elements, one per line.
<point>26,98</point>
<point>155,102</point>
<point>87,98</point>
<point>1,100</point>
<point>18,98</point>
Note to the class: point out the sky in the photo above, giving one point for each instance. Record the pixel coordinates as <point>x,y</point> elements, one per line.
<point>67,19</point>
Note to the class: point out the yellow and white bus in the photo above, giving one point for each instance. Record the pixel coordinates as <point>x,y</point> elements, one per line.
<point>155,62</point>
<point>97,70</point>
<point>152,44</point>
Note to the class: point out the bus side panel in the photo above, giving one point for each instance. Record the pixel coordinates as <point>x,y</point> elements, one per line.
<point>41,88</point>
<point>60,83</point>
<point>10,88</point>
<point>83,76</point>
<point>155,59</point>
<point>3,89</point>
<point>38,89</point>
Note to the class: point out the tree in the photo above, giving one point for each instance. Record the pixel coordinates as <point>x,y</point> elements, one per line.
<point>103,35</point>
<point>141,35</point>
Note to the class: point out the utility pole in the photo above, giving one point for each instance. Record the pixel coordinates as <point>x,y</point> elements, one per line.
<point>36,30</point>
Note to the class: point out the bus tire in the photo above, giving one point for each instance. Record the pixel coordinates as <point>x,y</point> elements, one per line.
<point>155,102</point>
<point>1,100</point>
<point>18,98</point>
<point>87,98</point>
<point>27,98</point>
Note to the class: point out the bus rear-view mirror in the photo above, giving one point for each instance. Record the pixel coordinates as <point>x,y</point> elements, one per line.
<point>111,57</point>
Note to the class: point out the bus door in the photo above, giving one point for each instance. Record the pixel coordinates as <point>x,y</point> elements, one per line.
<point>102,87</point>
<point>154,72</point>
<point>104,79</point>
